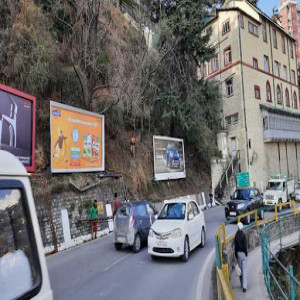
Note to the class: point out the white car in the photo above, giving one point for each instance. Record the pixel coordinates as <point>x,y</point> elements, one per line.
<point>179,228</point>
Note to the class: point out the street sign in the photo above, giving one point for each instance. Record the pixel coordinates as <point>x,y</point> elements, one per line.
<point>242,179</point>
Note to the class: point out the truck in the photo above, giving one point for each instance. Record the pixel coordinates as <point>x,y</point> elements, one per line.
<point>23,268</point>
<point>280,189</point>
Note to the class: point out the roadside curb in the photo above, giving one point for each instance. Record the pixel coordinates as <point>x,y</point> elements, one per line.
<point>204,293</point>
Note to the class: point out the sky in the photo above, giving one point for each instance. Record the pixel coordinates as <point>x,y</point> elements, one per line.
<point>267,5</point>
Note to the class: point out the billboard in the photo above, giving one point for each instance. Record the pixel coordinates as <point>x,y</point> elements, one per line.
<point>77,139</point>
<point>17,125</point>
<point>169,160</point>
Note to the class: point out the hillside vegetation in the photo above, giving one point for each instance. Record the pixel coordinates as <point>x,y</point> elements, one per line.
<point>86,54</point>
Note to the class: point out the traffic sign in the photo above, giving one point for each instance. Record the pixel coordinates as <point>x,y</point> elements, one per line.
<point>242,179</point>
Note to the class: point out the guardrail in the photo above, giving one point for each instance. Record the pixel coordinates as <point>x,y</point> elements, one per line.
<point>275,288</point>
<point>221,241</point>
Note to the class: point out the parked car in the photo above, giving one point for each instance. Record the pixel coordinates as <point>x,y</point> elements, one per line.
<point>172,157</point>
<point>132,223</point>
<point>179,228</point>
<point>242,201</point>
<point>297,192</point>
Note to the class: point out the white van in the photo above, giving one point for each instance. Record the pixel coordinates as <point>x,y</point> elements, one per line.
<point>23,269</point>
<point>279,190</point>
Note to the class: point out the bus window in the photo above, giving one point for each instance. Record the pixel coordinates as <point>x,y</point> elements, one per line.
<point>20,274</point>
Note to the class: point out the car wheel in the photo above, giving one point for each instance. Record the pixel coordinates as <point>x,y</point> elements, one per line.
<point>203,238</point>
<point>137,243</point>
<point>280,207</point>
<point>118,246</point>
<point>186,251</point>
<point>261,215</point>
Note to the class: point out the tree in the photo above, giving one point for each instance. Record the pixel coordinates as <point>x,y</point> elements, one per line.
<point>185,105</point>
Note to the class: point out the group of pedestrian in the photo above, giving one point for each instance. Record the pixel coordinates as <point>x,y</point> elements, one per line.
<point>94,215</point>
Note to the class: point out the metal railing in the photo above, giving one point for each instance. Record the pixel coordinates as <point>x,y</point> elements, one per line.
<point>282,230</point>
<point>220,188</point>
<point>222,241</point>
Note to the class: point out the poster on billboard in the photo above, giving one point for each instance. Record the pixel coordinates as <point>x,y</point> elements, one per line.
<point>17,124</point>
<point>169,160</point>
<point>77,139</point>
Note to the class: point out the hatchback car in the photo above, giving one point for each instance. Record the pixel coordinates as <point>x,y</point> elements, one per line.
<point>179,228</point>
<point>132,223</point>
<point>244,200</point>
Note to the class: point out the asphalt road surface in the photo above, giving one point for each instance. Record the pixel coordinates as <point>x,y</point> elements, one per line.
<point>95,270</point>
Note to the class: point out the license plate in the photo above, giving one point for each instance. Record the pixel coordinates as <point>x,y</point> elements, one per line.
<point>121,239</point>
<point>270,202</point>
<point>161,244</point>
<point>232,213</point>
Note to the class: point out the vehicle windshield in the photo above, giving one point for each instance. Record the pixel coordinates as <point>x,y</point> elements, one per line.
<point>241,195</point>
<point>274,186</point>
<point>172,211</point>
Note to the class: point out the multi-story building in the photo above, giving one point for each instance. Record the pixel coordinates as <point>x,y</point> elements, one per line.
<point>255,64</point>
<point>289,13</point>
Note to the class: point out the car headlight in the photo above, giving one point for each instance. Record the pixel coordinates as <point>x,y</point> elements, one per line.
<point>176,233</point>
<point>151,233</point>
<point>240,206</point>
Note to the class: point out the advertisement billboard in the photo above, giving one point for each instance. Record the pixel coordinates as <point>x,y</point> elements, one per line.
<point>17,125</point>
<point>77,139</point>
<point>169,160</point>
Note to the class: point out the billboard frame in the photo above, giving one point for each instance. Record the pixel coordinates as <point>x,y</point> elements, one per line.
<point>168,176</point>
<point>84,112</point>
<point>31,98</point>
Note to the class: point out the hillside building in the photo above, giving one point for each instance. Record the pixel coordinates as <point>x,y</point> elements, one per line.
<point>256,67</point>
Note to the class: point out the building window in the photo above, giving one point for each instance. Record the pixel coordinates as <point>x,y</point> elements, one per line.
<point>214,64</point>
<point>226,27</point>
<point>253,29</point>
<point>264,32</point>
<point>229,87</point>
<point>283,43</point>
<point>277,68</point>
<point>266,64</point>
<point>278,93</point>
<point>295,100</point>
<point>285,72</point>
<point>227,56</point>
<point>293,77</point>
<point>255,63</point>
<point>268,92</point>
<point>241,21</point>
<point>232,120</point>
<point>287,98</point>
<point>257,92</point>
<point>292,50</point>
<point>274,38</point>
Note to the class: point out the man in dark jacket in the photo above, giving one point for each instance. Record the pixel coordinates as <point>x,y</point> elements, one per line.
<point>241,253</point>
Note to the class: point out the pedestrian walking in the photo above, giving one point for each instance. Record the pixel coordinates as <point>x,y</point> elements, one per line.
<point>116,204</point>
<point>132,145</point>
<point>241,253</point>
<point>93,216</point>
<point>211,200</point>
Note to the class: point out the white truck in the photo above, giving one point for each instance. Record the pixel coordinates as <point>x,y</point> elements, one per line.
<point>280,189</point>
<point>23,269</point>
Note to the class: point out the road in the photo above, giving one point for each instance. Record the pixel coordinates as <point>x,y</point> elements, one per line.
<point>96,270</point>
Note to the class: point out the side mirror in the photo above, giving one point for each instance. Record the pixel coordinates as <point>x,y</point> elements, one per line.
<point>190,216</point>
